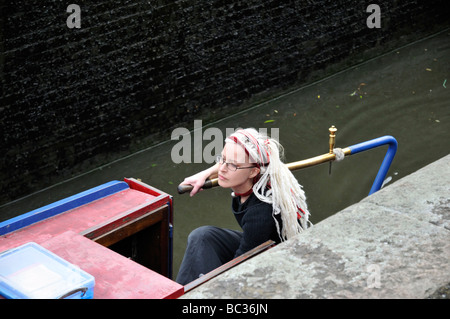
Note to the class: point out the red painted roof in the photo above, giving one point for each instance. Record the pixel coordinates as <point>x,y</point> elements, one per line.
<point>115,276</point>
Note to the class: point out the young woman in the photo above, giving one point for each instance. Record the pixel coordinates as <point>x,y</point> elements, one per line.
<point>268,203</point>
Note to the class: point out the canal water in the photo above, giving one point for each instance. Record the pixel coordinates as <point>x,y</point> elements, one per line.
<point>404,93</point>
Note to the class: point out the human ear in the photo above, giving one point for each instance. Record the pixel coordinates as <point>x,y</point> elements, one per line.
<point>254,172</point>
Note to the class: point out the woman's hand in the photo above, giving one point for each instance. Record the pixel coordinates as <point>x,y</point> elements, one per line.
<point>199,179</point>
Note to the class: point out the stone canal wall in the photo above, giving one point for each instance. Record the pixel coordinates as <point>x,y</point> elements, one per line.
<point>393,244</point>
<point>75,98</point>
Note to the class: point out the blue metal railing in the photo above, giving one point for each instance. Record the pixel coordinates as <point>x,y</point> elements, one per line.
<point>384,140</point>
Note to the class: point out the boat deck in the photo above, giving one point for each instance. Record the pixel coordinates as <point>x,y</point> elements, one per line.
<point>78,235</point>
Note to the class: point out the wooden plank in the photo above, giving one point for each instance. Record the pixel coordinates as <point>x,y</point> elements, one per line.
<point>132,227</point>
<point>229,265</point>
<point>142,187</point>
<point>145,188</point>
<point>123,218</point>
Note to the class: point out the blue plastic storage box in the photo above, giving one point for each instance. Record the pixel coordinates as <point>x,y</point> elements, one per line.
<point>32,272</point>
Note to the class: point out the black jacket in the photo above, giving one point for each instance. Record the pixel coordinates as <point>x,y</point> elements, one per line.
<point>256,220</point>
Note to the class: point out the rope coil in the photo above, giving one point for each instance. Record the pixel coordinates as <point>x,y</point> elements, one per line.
<point>339,154</point>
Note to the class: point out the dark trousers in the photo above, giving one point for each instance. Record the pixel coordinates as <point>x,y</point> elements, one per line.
<point>208,247</point>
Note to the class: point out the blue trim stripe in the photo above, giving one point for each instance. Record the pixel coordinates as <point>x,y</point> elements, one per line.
<point>62,206</point>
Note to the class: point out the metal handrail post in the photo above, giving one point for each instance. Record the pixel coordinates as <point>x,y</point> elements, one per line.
<point>392,142</point>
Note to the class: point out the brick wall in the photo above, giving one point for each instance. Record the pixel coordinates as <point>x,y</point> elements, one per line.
<point>72,99</point>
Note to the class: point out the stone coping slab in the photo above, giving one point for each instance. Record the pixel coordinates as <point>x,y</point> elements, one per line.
<point>392,244</point>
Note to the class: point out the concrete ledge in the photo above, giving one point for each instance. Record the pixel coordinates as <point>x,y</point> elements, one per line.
<point>393,244</point>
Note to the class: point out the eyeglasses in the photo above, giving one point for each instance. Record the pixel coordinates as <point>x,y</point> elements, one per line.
<point>230,166</point>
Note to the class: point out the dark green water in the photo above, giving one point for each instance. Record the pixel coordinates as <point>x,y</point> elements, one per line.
<point>405,93</point>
